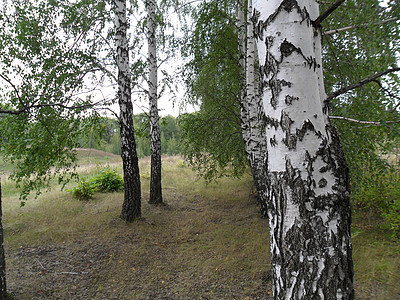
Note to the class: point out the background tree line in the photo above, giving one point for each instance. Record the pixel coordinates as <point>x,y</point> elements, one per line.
<point>108,138</point>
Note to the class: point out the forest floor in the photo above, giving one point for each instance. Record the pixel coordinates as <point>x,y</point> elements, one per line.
<point>206,242</point>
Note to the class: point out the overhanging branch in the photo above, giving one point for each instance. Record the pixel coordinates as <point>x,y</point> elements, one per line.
<point>360,83</point>
<point>60,105</point>
<point>318,21</point>
<point>330,32</point>
<point>363,122</point>
<point>10,112</point>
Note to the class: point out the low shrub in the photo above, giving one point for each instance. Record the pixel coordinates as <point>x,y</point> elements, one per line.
<point>108,180</point>
<point>380,192</point>
<point>84,190</point>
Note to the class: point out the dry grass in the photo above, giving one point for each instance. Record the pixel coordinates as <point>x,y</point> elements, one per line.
<point>207,242</point>
<point>376,257</point>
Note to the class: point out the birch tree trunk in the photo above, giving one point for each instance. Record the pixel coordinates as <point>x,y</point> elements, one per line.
<point>308,200</point>
<point>131,208</point>
<point>3,286</point>
<point>155,145</point>
<point>252,114</point>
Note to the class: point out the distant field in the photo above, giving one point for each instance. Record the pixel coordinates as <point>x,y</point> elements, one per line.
<point>85,157</point>
<point>5,167</point>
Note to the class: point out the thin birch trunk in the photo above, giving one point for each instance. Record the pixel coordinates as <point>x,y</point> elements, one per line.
<point>155,137</point>
<point>308,201</point>
<point>131,208</point>
<point>252,113</point>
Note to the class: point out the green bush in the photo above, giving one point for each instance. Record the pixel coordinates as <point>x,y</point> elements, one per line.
<point>380,192</point>
<point>84,191</point>
<point>108,180</point>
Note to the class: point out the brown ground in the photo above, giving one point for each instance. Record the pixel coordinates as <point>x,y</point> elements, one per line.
<point>204,244</point>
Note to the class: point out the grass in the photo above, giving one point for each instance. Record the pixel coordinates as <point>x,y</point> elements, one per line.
<point>207,242</point>
<point>376,257</point>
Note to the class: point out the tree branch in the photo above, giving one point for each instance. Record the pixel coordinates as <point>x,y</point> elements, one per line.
<point>26,109</point>
<point>390,94</point>
<point>330,32</point>
<point>318,21</point>
<point>10,112</point>
<point>360,83</point>
<point>13,86</point>
<point>363,122</point>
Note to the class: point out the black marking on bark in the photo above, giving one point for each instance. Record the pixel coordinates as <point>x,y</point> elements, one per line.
<point>306,127</point>
<point>315,116</point>
<point>326,106</point>
<point>275,90</point>
<point>286,121</point>
<point>289,99</point>
<point>322,183</point>
<point>288,6</point>
<point>271,121</point>
<point>275,86</point>
<point>287,49</point>
<point>324,169</point>
<point>290,141</point>
<point>258,24</point>
<point>273,141</point>
<point>283,82</point>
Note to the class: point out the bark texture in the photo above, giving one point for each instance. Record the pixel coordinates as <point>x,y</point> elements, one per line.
<point>155,145</point>
<point>3,286</point>
<point>308,199</point>
<point>131,208</point>
<point>252,113</point>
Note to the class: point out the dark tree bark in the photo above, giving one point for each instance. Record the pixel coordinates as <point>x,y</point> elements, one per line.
<point>3,286</point>
<point>155,137</point>
<point>131,208</point>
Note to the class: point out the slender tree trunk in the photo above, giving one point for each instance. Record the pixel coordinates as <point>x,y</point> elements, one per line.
<point>131,207</point>
<point>3,286</point>
<point>252,114</point>
<point>155,178</point>
<point>308,200</point>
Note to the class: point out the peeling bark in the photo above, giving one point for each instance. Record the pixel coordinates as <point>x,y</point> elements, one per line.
<point>155,137</point>
<point>131,208</point>
<point>308,199</point>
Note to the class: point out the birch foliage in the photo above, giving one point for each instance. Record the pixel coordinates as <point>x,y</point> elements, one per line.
<point>349,57</point>
<point>212,137</point>
<point>48,53</point>
<point>369,45</point>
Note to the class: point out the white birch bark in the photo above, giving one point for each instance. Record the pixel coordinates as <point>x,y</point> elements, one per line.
<point>131,208</point>
<point>308,200</point>
<point>252,114</point>
<point>155,137</point>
